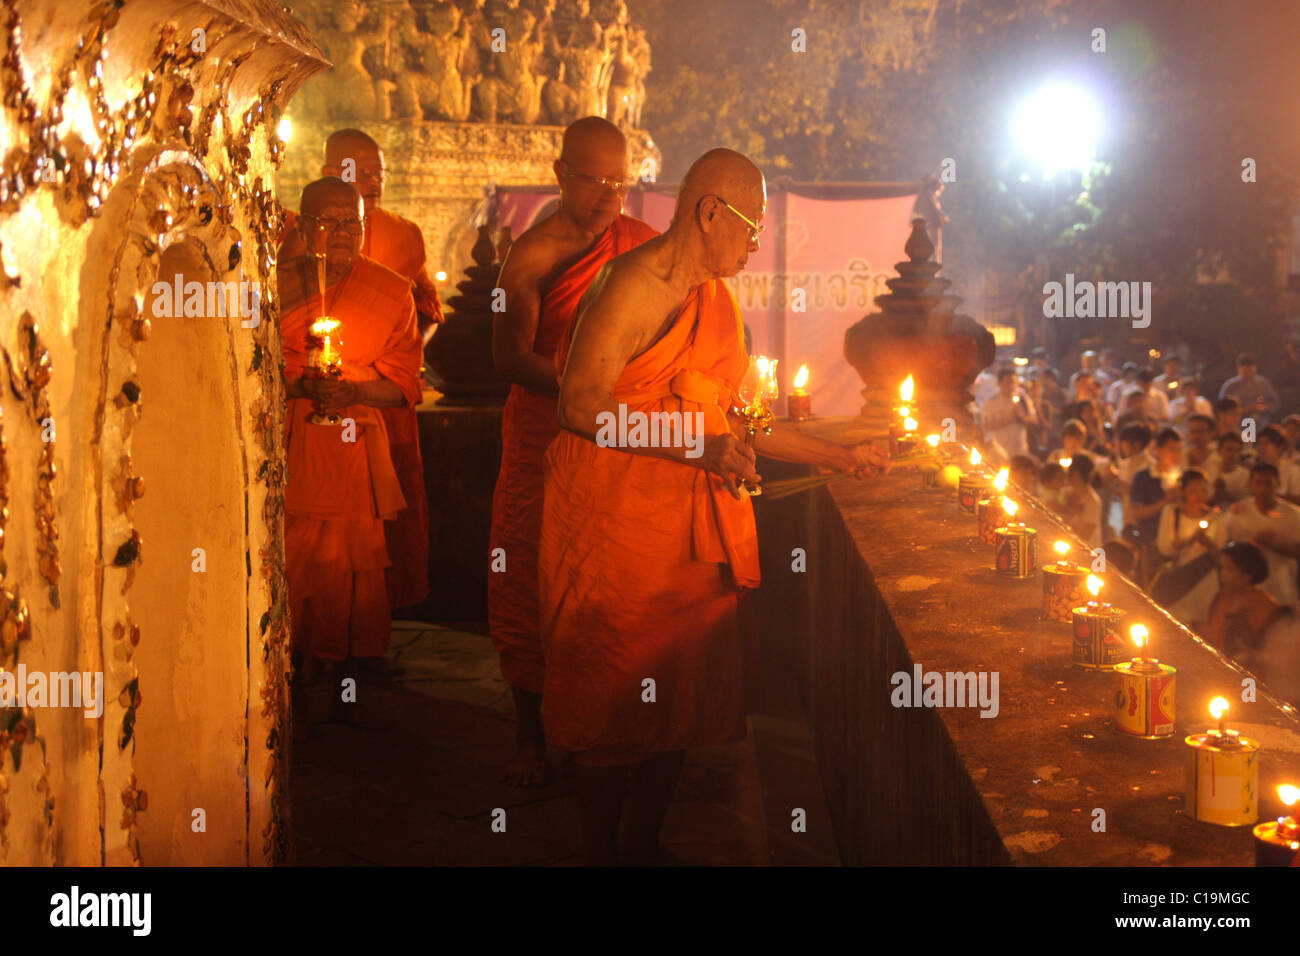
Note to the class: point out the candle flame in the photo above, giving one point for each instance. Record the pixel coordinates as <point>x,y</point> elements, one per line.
<point>1066,462</point>
<point>1020,360</point>
<point>1009,506</point>
<point>932,441</point>
<point>910,424</point>
<point>1000,482</point>
<point>1140,635</point>
<point>907,388</point>
<point>1288,794</point>
<point>1094,585</point>
<point>904,412</point>
<point>1062,547</point>
<point>1204,525</point>
<point>763,364</point>
<point>324,325</point>
<point>801,378</point>
<point>1218,707</point>
<point>975,457</point>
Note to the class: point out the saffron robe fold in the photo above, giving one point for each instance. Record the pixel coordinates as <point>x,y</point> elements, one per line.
<point>398,244</point>
<point>339,492</point>
<point>643,560</point>
<point>528,425</point>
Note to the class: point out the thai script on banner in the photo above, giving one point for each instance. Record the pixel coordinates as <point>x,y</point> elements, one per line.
<point>853,288</point>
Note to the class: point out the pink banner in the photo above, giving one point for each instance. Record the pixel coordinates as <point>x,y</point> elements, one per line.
<point>819,268</point>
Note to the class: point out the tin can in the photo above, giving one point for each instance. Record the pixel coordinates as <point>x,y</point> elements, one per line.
<point>1277,842</point>
<point>970,488</point>
<point>1223,779</point>
<point>991,515</point>
<point>1014,553</point>
<point>798,406</point>
<point>1098,643</point>
<point>1144,700</point>
<point>901,441</point>
<point>1064,589</point>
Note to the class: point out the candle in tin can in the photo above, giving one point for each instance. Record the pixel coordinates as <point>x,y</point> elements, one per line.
<point>798,403</point>
<point>972,484</point>
<point>930,470</point>
<point>1277,842</point>
<point>1014,552</point>
<point>1144,700</point>
<point>1223,774</point>
<point>1064,586</point>
<point>994,511</point>
<point>1097,642</point>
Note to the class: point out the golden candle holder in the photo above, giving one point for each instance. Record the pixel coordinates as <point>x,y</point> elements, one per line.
<point>324,360</point>
<point>758,390</point>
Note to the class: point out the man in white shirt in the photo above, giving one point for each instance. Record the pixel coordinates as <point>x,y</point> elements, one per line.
<point>985,386</point>
<point>1125,382</point>
<point>1273,525</point>
<point>1189,402</point>
<point>1198,448</point>
<point>1272,447</point>
<point>1157,403</point>
<point>1006,416</point>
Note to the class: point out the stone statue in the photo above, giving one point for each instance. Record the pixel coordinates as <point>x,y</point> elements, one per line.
<point>434,88</point>
<point>349,90</point>
<point>559,100</point>
<point>515,92</point>
<point>580,42</point>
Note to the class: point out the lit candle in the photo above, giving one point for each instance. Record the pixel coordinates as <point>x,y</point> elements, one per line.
<point>1064,586</point>
<point>972,484</point>
<point>1277,842</point>
<point>799,402</point>
<point>1144,702</point>
<point>994,511</point>
<point>1015,546</point>
<point>1223,774</point>
<point>1066,462</point>
<point>1097,641</point>
<point>900,438</point>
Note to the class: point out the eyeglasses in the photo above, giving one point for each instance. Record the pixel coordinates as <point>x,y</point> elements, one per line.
<point>755,230</point>
<point>599,182</point>
<point>351,225</point>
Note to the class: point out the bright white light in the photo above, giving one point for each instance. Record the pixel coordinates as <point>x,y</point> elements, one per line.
<point>1057,128</point>
<point>284,130</point>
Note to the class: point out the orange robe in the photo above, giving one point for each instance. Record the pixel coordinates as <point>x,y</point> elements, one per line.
<point>398,244</point>
<point>528,424</point>
<point>339,492</point>
<point>643,561</point>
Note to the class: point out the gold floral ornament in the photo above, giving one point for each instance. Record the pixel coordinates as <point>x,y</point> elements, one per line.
<point>15,622</point>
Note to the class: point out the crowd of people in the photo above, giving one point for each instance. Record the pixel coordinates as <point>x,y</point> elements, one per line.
<point>1197,499</point>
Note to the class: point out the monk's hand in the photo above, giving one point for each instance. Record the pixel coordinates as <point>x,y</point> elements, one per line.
<point>313,388</point>
<point>338,394</point>
<point>727,457</point>
<point>865,460</point>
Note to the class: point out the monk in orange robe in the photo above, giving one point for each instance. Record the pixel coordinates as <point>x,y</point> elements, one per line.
<point>544,276</point>
<point>646,551</point>
<point>342,483</point>
<point>398,244</point>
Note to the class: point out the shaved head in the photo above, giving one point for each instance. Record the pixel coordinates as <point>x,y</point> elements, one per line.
<point>324,192</point>
<point>590,134</point>
<point>353,143</point>
<point>594,150</point>
<point>727,174</point>
<point>355,157</point>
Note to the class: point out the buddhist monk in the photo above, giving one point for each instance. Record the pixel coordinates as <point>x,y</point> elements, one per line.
<point>544,276</point>
<point>342,481</point>
<point>398,244</point>
<point>645,552</point>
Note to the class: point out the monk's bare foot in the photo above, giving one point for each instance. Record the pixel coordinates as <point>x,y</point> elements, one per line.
<point>529,768</point>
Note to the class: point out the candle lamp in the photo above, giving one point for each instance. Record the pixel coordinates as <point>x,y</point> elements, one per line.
<point>994,511</point>
<point>799,402</point>
<point>1277,842</point>
<point>973,483</point>
<point>930,471</point>
<point>1097,642</point>
<point>1223,774</point>
<point>900,439</point>
<point>1014,550</point>
<point>324,360</point>
<point>1064,586</point>
<point>1144,700</point>
<point>758,390</point>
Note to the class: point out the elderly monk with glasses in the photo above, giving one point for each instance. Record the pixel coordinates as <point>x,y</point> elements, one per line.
<point>342,481</point>
<point>544,277</point>
<point>647,552</point>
